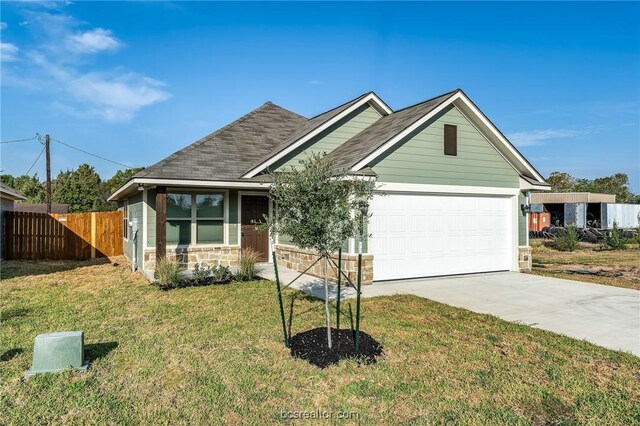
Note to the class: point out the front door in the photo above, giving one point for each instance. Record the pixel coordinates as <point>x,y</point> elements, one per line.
<point>254,207</point>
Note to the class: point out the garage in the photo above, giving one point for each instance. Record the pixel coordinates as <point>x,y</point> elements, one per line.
<point>417,235</point>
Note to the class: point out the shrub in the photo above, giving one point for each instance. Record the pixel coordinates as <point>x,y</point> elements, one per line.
<point>167,272</point>
<point>615,238</point>
<point>221,274</point>
<point>568,240</point>
<point>201,273</point>
<point>247,266</point>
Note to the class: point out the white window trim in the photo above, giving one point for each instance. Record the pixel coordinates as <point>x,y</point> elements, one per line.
<point>194,219</point>
<point>125,213</point>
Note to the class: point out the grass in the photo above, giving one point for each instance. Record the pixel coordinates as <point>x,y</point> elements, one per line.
<point>550,262</point>
<point>211,355</point>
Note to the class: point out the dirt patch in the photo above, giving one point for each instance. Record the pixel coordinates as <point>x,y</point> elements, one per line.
<point>629,272</point>
<point>312,346</point>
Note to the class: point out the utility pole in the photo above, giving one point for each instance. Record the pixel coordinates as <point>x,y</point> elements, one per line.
<point>48,159</point>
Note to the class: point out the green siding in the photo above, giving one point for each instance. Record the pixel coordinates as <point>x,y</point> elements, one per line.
<point>233,217</point>
<point>522,221</point>
<point>135,215</point>
<point>335,136</point>
<point>420,158</point>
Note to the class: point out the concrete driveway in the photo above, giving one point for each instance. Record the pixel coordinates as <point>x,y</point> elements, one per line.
<point>604,315</point>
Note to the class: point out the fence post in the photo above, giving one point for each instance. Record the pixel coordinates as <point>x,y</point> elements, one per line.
<point>357,339</point>
<point>93,235</point>
<point>339,282</point>
<point>284,324</point>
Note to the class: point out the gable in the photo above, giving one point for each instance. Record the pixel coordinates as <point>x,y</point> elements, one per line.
<point>419,158</point>
<point>334,136</point>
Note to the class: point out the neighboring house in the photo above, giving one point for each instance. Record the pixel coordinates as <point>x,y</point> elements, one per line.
<point>41,207</point>
<point>454,189</point>
<point>8,197</point>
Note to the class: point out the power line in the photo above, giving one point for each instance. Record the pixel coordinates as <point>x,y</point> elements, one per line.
<point>94,155</point>
<point>36,160</point>
<point>21,140</point>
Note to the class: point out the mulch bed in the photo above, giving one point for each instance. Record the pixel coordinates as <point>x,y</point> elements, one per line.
<point>312,346</point>
<point>188,282</point>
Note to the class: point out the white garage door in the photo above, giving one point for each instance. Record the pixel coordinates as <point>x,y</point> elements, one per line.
<point>431,235</point>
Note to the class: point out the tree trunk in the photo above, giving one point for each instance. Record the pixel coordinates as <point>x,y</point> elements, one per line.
<point>326,300</point>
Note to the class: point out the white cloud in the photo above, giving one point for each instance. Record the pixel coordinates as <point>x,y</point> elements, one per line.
<point>3,25</point>
<point>117,97</point>
<point>8,52</point>
<point>60,61</point>
<point>539,137</point>
<point>93,41</point>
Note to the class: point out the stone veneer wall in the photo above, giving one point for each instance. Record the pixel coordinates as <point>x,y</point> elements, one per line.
<point>189,256</point>
<point>298,259</point>
<point>524,259</point>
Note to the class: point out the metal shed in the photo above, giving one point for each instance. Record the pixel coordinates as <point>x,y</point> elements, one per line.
<point>624,215</point>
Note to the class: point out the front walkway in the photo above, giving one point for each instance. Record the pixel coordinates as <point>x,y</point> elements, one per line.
<point>604,315</point>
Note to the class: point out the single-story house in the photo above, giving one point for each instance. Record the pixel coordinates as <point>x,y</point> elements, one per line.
<point>453,190</point>
<point>8,197</point>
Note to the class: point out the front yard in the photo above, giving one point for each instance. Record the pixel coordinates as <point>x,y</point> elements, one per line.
<point>211,355</point>
<point>590,263</point>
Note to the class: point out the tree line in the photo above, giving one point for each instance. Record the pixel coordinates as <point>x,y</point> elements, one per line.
<point>85,191</point>
<point>617,184</point>
<point>82,189</point>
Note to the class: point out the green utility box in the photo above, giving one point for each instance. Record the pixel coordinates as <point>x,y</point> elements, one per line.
<point>53,352</point>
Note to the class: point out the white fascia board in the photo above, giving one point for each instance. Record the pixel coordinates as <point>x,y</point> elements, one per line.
<point>370,98</point>
<point>418,188</point>
<point>495,132</point>
<point>10,195</point>
<point>189,183</point>
<point>525,185</point>
<point>391,142</point>
<point>461,99</point>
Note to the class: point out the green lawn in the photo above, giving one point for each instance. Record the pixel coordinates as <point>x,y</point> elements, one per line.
<point>207,355</point>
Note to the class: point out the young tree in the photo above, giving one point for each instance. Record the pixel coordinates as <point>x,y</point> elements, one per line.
<point>320,208</point>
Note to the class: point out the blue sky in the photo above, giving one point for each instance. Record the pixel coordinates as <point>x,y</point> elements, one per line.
<point>135,82</point>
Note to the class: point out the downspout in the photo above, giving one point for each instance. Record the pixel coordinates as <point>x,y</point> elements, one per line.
<point>134,256</point>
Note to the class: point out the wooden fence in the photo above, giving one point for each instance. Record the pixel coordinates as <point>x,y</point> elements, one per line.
<point>62,236</point>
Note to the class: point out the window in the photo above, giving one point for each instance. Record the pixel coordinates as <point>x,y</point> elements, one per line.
<point>178,218</point>
<point>450,139</point>
<point>209,218</point>
<point>125,219</point>
<point>195,218</point>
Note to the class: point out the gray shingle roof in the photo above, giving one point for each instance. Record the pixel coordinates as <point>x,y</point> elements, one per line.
<point>6,189</point>
<point>312,124</point>
<point>376,135</point>
<point>226,153</point>
<point>41,207</point>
